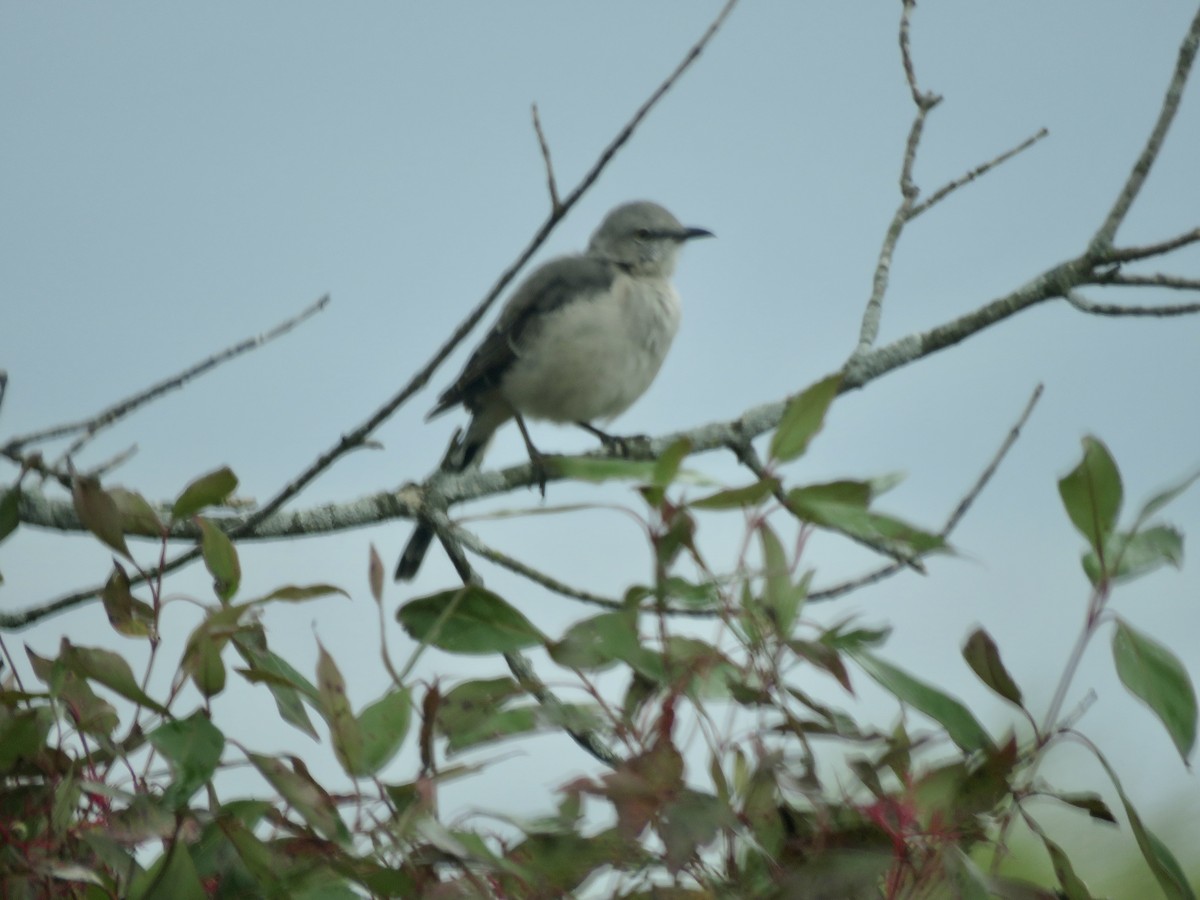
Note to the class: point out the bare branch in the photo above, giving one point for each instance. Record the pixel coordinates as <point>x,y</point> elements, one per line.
<point>1082,304</point>
<point>908,191</point>
<point>120,410</point>
<point>555,203</point>
<point>956,516</point>
<point>113,462</point>
<point>910,73</point>
<point>981,169</point>
<point>1102,241</point>
<point>1128,254</point>
<point>1174,282</point>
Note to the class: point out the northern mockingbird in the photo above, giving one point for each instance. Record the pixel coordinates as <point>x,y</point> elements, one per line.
<point>578,341</point>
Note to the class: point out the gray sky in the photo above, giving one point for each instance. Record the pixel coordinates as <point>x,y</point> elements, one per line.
<point>178,177</point>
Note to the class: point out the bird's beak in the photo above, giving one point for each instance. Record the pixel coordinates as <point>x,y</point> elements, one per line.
<point>689,233</point>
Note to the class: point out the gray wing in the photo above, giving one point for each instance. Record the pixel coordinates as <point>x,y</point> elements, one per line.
<point>549,287</point>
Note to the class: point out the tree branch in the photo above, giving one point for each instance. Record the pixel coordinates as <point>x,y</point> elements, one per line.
<point>1082,304</point>
<point>1103,240</point>
<point>113,414</point>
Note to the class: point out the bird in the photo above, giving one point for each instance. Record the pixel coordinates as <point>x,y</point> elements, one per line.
<point>578,341</point>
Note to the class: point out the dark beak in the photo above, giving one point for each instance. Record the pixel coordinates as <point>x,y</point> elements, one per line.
<point>689,233</point>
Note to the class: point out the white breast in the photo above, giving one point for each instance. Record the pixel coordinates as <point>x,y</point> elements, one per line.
<point>596,355</point>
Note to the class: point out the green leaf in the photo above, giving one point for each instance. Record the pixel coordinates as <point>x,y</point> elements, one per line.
<point>335,706</point>
<point>495,726</point>
<point>384,725</point>
<point>137,515</point>
<point>472,701</point>
<point>802,418</point>
<point>1129,555</point>
<point>172,877</point>
<point>842,507</point>
<point>98,512</point>
<point>260,860</point>
<point>10,510</point>
<point>286,685</point>
<point>207,490</point>
<point>23,735</point>
<point>738,498</point>
<point>1091,494</point>
<point>1072,885</point>
<point>1161,499</point>
<point>960,725</point>
<point>1155,676</point>
<point>666,467</point>
<point>781,596</point>
<point>304,795</point>
<point>202,653</point>
<point>202,661</point>
<point>697,667</point>
<point>106,668</point>
<point>220,558</point>
<point>1090,802</point>
<point>127,615</point>
<point>690,822</point>
<point>251,643</point>
<point>823,657</point>
<point>983,657</point>
<point>1165,868</point>
<point>470,619</point>
<point>599,642</point>
<point>298,593</point>
<point>92,714</point>
<point>193,748</point>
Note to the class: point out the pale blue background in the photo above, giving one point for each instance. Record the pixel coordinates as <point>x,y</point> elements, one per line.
<point>176,177</point>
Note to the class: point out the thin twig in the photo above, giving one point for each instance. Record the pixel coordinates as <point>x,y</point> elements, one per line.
<point>113,462</point>
<point>490,553</point>
<point>1082,304</point>
<point>981,169</point>
<point>908,192</point>
<point>120,410</point>
<point>956,516</point>
<point>1174,282</point>
<point>910,72</point>
<point>1103,240</point>
<point>1129,254</point>
<point>551,185</point>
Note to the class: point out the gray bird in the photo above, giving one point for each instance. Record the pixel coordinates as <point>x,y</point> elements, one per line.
<point>578,341</point>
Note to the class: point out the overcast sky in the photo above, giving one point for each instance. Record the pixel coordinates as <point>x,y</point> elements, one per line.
<point>178,177</point>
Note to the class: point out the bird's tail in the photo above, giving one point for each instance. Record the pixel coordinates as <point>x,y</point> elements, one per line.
<point>463,452</point>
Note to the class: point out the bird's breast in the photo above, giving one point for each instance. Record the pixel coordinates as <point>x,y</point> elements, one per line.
<point>594,356</point>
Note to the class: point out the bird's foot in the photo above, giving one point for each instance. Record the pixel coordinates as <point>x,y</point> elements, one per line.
<point>628,446</point>
<point>538,462</point>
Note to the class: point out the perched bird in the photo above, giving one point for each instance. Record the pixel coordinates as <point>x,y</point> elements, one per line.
<point>578,341</point>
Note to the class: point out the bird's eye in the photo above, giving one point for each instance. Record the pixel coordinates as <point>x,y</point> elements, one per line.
<point>642,234</point>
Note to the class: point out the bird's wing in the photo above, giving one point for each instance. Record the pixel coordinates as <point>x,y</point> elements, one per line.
<point>558,282</point>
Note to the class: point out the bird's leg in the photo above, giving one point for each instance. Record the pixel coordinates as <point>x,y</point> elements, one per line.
<point>536,459</point>
<point>623,446</point>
